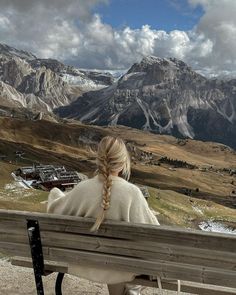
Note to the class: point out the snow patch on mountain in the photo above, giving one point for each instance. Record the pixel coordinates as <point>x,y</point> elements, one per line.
<point>115,73</point>
<point>82,81</point>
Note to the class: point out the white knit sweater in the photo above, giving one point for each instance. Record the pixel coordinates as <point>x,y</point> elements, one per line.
<point>127,204</point>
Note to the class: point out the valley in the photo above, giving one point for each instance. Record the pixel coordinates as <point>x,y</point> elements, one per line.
<point>179,195</point>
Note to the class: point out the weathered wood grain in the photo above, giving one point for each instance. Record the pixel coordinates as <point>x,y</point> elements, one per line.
<point>168,285</point>
<point>170,235</point>
<point>49,266</point>
<point>170,270</point>
<point>173,253</point>
<point>154,251</point>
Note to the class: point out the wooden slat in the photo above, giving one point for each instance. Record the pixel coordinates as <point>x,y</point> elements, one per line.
<point>176,236</point>
<point>168,285</point>
<point>14,238</point>
<point>48,265</point>
<point>13,249</point>
<point>16,249</point>
<point>142,250</point>
<point>172,252</point>
<point>165,269</point>
<point>188,287</point>
<point>194,256</point>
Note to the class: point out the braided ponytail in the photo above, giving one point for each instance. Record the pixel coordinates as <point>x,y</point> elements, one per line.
<point>112,156</point>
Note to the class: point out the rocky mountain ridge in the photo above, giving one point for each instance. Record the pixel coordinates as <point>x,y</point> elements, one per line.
<point>163,96</point>
<point>159,95</point>
<point>42,84</point>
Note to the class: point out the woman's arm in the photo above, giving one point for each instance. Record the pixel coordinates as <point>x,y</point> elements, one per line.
<point>56,201</point>
<point>139,210</point>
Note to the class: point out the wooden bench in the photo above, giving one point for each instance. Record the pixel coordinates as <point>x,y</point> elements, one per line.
<point>204,262</point>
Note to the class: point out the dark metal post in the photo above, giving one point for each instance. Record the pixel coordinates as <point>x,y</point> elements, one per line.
<point>36,253</point>
<point>59,280</point>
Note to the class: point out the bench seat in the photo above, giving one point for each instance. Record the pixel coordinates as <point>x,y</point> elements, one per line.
<point>188,287</point>
<point>168,252</point>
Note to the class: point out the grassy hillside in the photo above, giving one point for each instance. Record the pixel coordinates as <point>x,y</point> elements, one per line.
<point>178,209</point>
<point>70,144</point>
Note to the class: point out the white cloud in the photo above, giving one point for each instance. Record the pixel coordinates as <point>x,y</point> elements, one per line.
<point>47,27</point>
<point>4,23</point>
<point>68,31</point>
<point>218,25</point>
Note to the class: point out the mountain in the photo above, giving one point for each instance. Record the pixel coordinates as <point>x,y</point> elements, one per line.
<point>159,95</point>
<point>85,79</point>
<point>9,51</point>
<point>42,84</point>
<point>163,96</point>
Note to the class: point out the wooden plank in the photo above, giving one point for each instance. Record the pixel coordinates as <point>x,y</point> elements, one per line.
<point>168,285</point>
<point>125,233</point>
<point>172,235</point>
<point>13,249</point>
<point>194,256</point>
<point>158,233</point>
<point>14,238</point>
<point>18,249</point>
<point>141,250</point>
<point>188,287</point>
<point>15,225</point>
<point>48,265</point>
<point>165,269</point>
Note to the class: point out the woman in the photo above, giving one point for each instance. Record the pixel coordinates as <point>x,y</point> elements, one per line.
<point>105,196</point>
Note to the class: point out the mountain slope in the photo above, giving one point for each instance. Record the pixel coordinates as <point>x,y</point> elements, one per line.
<point>211,179</point>
<point>11,51</point>
<point>163,96</point>
<point>68,143</point>
<point>42,84</point>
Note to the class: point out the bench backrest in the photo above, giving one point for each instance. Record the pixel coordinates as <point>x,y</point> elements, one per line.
<point>170,252</point>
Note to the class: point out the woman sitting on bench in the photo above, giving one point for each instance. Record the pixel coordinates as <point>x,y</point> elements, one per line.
<point>106,196</point>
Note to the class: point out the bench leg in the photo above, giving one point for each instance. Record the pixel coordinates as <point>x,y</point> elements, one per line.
<point>59,280</point>
<point>36,254</point>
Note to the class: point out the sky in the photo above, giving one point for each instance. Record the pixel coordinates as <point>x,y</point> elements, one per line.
<point>114,34</point>
<point>159,14</point>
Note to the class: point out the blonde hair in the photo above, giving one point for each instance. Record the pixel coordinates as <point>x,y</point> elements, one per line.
<point>112,156</point>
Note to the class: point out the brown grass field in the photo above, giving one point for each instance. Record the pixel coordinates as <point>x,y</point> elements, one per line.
<point>68,143</point>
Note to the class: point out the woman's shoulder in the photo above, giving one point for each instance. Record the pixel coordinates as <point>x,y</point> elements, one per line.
<point>126,185</point>
<point>54,194</point>
<point>89,184</point>
<point>86,183</point>
<point>119,183</point>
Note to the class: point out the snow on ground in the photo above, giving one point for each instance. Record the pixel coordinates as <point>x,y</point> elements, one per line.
<point>216,226</point>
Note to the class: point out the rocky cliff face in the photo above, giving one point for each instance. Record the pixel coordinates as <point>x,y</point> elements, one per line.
<point>163,96</point>
<point>86,79</point>
<point>42,84</point>
<point>159,95</point>
<point>9,52</point>
<point>22,85</point>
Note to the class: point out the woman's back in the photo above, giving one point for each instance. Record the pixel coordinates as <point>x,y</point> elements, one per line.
<point>127,202</point>
<point>105,196</point>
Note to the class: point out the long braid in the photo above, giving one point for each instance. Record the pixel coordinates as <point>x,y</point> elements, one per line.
<point>104,170</point>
